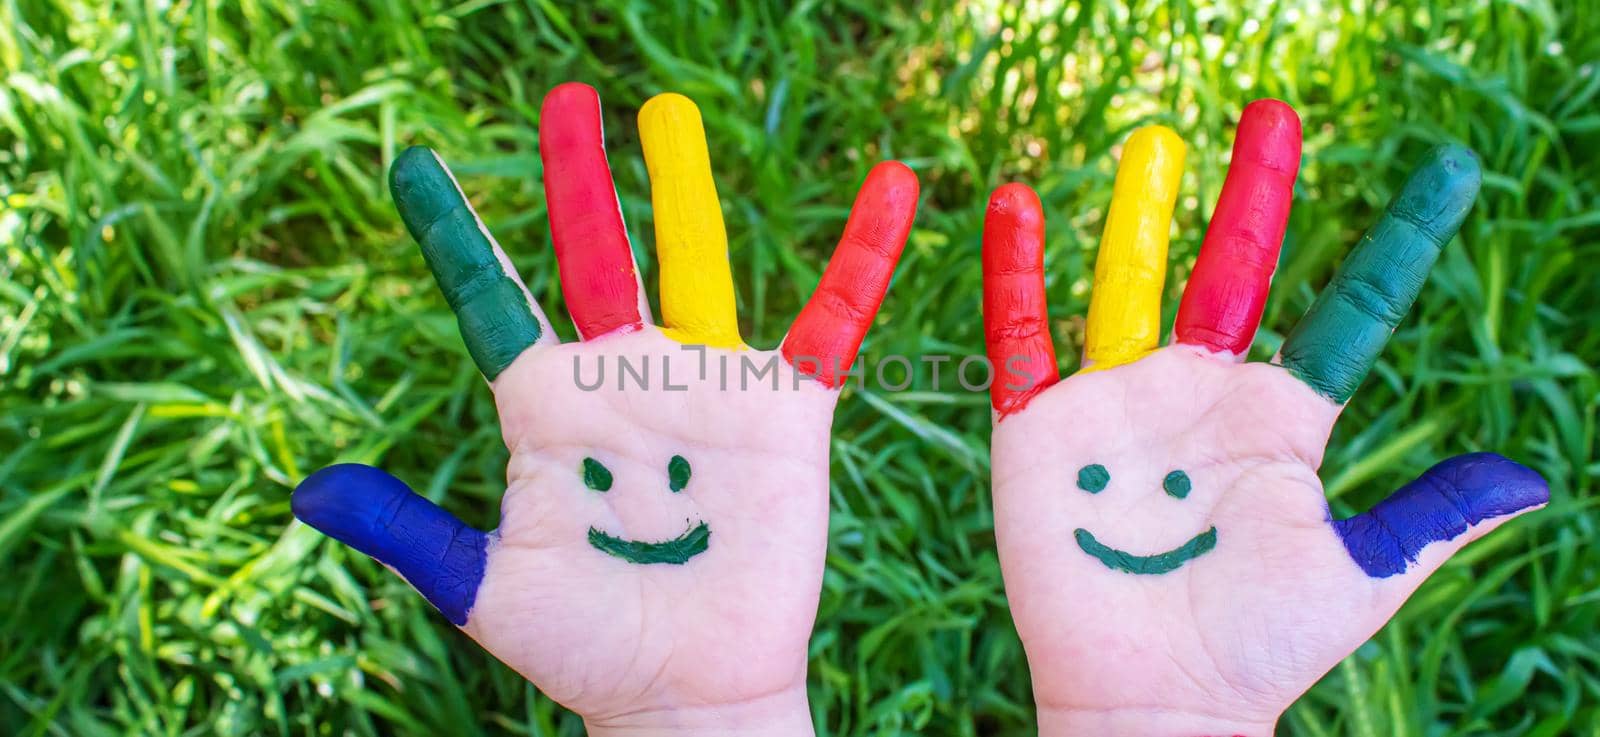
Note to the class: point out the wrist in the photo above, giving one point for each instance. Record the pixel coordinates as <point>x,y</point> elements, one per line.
<point>783,714</point>
<point>1148,722</point>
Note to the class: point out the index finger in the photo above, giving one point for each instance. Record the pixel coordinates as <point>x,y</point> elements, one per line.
<point>1339,338</point>
<point>497,316</point>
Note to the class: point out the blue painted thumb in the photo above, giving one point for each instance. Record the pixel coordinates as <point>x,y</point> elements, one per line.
<point>1446,502</point>
<point>377,514</point>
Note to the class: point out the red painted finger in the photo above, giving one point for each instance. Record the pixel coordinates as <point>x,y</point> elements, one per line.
<point>1221,307</point>
<point>1016,321</point>
<point>824,339</point>
<point>597,270</point>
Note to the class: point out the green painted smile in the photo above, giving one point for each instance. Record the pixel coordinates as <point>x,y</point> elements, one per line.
<point>676,551</point>
<point>1093,478</point>
<point>1147,564</point>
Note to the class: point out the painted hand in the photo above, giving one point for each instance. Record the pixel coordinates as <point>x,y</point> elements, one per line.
<point>1170,560</point>
<point>660,549</point>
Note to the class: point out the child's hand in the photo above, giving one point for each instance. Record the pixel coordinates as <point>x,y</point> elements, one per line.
<point>1168,553</point>
<point>660,551</point>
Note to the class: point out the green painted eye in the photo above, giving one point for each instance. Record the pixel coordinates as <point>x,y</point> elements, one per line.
<point>678,473</point>
<point>595,475</point>
<point>1177,484</point>
<point>1093,478</point>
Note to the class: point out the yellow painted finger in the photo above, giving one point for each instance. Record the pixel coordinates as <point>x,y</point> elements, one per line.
<point>696,284</point>
<point>1125,306</point>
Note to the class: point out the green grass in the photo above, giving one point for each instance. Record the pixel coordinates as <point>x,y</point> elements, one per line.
<point>205,295</point>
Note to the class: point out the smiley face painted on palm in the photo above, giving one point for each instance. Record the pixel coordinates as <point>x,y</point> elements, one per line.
<point>677,551</point>
<point>1094,479</point>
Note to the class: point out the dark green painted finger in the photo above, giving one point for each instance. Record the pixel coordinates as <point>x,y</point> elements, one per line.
<point>496,318</point>
<point>1339,338</point>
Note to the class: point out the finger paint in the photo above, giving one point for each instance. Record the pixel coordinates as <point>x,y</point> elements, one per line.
<point>1222,302</point>
<point>1147,564</point>
<point>1176,484</point>
<point>1093,478</point>
<point>1340,337</point>
<point>677,473</point>
<point>1125,305</point>
<point>1441,504</point>
<point>697,301</point>
<point>377,514</point>
<point>1016,319</point>
<point>598,278</point>
<point>595,475</point>
<point>829,330</point>
<point>676,551</point>
<point>496,319</point>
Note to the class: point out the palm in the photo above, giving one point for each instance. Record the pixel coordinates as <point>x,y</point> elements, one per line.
<point>1170,560</point>
<point>603,635</point>
<point>1243,628</point>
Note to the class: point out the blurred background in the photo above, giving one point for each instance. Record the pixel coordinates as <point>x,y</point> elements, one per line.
<point>205,295</point>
